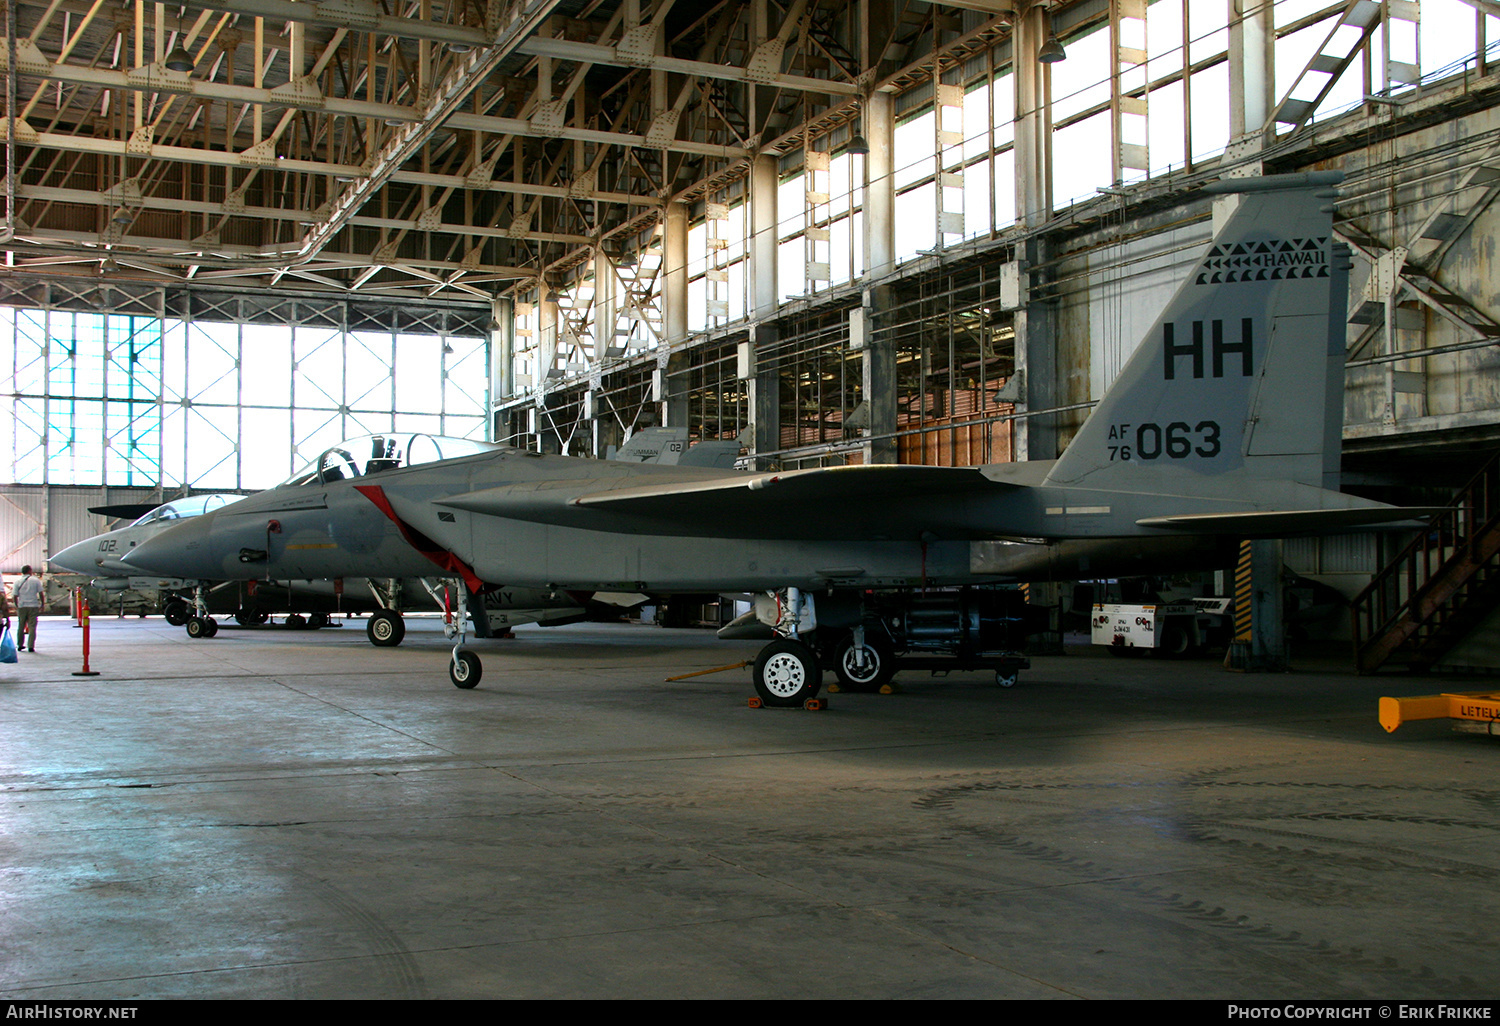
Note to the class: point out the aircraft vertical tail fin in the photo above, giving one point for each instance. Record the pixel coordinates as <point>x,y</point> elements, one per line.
<point>1241,379</point>
<point>669,446</point>
<point>661,445</point>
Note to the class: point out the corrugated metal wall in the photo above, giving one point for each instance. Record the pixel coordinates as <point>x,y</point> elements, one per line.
<point>1391,195</point>
<point>35,521</point>
<point>1344,562</point>
<point>1110,298</point>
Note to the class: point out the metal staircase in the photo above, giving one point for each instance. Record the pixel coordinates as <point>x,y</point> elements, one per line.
<point>1439,588</point>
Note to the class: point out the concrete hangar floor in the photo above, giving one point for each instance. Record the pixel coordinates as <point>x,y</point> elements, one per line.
<point>271,814</point>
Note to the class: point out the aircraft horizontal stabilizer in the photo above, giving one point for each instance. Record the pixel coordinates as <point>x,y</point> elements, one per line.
<point>1286,523</point>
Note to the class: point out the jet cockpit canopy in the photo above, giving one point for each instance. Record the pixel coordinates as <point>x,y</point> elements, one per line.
<point>372,454</point>
<point>189,506</point>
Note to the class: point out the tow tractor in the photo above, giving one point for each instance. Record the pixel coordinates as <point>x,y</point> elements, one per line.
<point>1164,628</point>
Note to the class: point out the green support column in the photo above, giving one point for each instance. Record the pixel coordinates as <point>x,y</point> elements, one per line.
<point>1046,595</point>
<point>763,383</point>
<point>676,382</point>
<point>549,326</point>
<point>870,331</point>
<point>1036,363</point>
<point>1259,644</point>
<point>764,288</point>
<point>1252,86</point>
<point>502,349</point>
<point>1035,342</point>
<point>674,276</point>
<point>880,186</point>
<point>547,437</point>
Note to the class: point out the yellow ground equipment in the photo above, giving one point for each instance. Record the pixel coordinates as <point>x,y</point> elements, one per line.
<point>1475,712</point>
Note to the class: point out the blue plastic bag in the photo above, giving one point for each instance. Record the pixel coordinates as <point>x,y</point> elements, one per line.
<point>7,646</point>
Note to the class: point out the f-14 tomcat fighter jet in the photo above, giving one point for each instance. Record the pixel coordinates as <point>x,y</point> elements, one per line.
<point>370,454</point>
<point>102,558</point>
<point>1225,423</point>
<point>104,553</point>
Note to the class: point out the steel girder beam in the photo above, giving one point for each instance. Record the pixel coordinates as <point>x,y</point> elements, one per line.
<point>208,269</point>
<point>202,153</point>
<point>1489,7</point>
<point>162,151</point>
<point>157,79</point>
<point>409,138</point>
<point>625,55</point>
<point>1411,269</point>
<point>598,53</point>
<point>61,195</point>
<point>86,247</point>
<point>995,7</point>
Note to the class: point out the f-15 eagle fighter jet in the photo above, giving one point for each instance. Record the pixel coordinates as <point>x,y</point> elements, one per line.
<point>1224,424</point>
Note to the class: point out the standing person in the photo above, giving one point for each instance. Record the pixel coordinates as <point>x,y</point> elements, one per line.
<point>28,608</point>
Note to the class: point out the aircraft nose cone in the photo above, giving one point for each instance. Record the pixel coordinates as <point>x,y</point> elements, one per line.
<point>179,551</point>
<point>78,558</point>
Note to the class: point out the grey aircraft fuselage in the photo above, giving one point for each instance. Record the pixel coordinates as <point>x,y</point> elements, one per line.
<point>549,537</point>
<point>102,558</point>
<point>1224,423</point>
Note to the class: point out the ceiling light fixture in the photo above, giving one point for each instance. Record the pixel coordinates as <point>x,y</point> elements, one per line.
<point>1052,49</point>
<point>179,59</point>
<point>859,145</point>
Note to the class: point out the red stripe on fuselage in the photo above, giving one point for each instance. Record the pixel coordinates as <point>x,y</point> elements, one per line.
<point>419,541</point>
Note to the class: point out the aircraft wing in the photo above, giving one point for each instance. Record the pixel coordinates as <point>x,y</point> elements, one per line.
<point>814,485</point>
<point>840,502</point>
<point>1286,523</point>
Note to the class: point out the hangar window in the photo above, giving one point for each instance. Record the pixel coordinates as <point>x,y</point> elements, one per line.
<point>717,254</point>
<point>126,400</point>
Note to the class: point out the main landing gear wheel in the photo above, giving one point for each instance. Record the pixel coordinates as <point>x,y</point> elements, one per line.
<point>868,673</point>
<point>787,673</point>
<point>177,612</point>
<point>248,617</point>
<point>464,669</point>
<point>1007,678</point>
<point>202,627</point>
<point>296,621</point>
<point>385,628</point>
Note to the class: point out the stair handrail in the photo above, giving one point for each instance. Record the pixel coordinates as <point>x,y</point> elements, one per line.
<point>1474,507</point>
